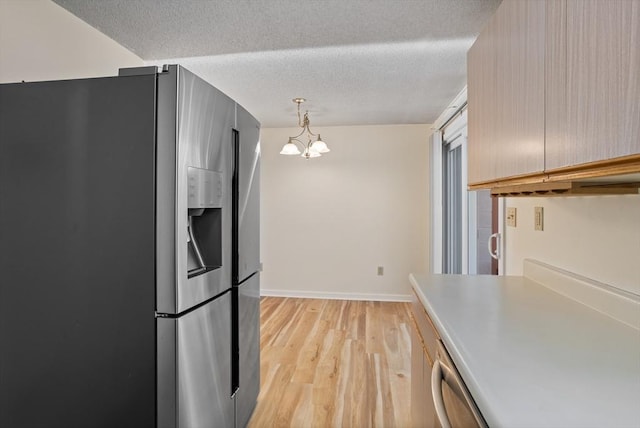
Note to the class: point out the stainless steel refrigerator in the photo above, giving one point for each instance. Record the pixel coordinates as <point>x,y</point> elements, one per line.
<point>117,304</point>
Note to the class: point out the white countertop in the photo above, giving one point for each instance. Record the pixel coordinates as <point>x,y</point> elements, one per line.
<point>533,358</point>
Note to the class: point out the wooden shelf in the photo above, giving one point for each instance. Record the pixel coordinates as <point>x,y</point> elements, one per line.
<point>608,174</point>
<point>566,188</point>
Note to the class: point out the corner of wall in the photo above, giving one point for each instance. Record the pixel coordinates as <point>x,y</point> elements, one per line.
<point>40,40</point>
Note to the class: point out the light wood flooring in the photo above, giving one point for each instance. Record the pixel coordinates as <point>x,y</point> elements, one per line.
<point>333,363</point>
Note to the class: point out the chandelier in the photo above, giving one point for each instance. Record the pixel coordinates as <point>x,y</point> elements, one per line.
<point>313,148</point>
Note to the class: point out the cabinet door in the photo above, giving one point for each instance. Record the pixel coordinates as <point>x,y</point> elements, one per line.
<point>481,103</point>
<point>423,412</point>
<point>520,91</point>
<point>430,417</point>
<point>555,81</point>
<point>506,94</point>
<point>601,87</point>
<point>418,395</point>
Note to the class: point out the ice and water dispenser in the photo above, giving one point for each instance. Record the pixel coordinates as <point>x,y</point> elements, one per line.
<point>204,226</point>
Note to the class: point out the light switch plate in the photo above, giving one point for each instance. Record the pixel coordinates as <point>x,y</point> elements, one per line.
<point>511,216</point>
<point>538,218</point>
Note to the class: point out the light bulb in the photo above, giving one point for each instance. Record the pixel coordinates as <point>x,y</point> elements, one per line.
<point>290,149</point>
<point>320,146</point>
<point>310,153</point>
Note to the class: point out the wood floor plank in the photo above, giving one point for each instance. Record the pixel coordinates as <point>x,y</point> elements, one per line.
<point>309,355</point>
<point>333,363</point>
<point>355,393</point>
<point>303,414</point>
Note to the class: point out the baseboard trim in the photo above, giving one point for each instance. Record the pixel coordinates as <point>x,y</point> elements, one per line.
<point>336,295</point>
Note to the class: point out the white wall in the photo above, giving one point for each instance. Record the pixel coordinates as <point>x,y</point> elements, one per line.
<point>328,223</point>
<point>40,40</point>
<point>595,236</point>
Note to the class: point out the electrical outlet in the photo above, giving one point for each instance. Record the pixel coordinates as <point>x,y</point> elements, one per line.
<point>380,270</point>
<point>511,216</point>
<point>538,218</point>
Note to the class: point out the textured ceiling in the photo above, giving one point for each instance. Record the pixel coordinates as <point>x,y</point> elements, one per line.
<point>356,61</point>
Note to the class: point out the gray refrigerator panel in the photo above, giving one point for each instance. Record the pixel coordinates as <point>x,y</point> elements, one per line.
<point>249,348</point>
<point>248,195</point>
<point>194,367</point>
<point>197,134</point>
<point>77,295</point>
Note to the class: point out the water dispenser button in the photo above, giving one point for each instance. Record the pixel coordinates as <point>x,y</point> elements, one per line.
<point>202,188</point>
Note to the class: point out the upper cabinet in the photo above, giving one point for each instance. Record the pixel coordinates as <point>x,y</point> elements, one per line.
<point>594,83</point>
<point>554,92</point>
<point>481,127</point>
<point>506,94</point>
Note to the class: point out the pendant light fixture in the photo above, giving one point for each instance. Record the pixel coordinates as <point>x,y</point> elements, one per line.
<point>314,147</point>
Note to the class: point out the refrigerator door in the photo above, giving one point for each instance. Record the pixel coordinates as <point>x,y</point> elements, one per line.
<point>248,348</point>
<point>77,294</point>
<point>195,123</point>
<point>247,196</point>
<point>194,367</point>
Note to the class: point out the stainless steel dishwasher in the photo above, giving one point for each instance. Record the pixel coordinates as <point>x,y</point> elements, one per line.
<point>455,407</point>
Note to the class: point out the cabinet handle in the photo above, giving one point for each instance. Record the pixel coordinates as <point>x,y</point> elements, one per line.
<point>436,391</point>
<point>495,255</point>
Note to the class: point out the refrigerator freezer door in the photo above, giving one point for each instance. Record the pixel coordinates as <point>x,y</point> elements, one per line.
<point>195,123</point>
<point>247,194</point>
<point>249,348</point>
<point>194,367</point>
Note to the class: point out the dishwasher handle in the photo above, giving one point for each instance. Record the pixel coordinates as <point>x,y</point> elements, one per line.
<point>444,372</point>
<point>436,392</point>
